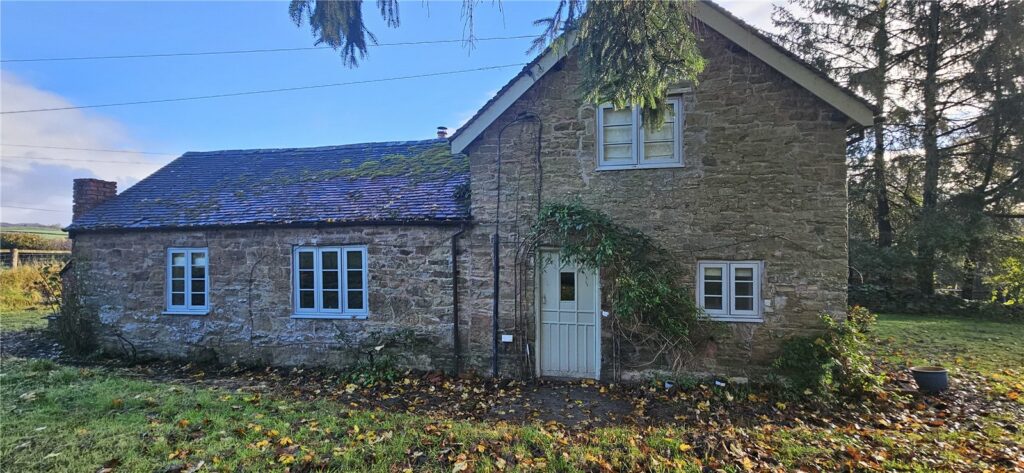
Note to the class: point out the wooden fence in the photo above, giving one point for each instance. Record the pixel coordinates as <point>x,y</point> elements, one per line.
<point>15,257</point>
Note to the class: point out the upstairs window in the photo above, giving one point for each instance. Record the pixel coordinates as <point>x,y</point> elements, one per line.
<point>188,280</point>
<point>330,281</point>
<point>623,142</point>
<point>730,290</point>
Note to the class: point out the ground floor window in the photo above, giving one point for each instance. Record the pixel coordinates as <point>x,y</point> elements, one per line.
<point>730,290</point>
<point>330,281</point>
<point>188,280</point>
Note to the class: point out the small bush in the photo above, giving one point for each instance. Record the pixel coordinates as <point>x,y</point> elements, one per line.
<point>835,364</point>
<point>76,322</point>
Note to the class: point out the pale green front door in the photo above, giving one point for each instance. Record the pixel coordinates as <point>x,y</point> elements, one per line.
<point>569,328</point>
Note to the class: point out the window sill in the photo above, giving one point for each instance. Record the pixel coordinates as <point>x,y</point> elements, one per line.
<point>634,168</point>
<point>185,312</point>
<point>329,317</point>
<point>736,318</point>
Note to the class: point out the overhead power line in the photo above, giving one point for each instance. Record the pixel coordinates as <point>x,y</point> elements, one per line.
<point>28,208</point>
<point>252,51</point>
<point>265,91</point>
<point>91,149</point>
<point>71,160</point>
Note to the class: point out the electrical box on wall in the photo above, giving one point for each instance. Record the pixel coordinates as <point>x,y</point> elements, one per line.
<point>506,338</point>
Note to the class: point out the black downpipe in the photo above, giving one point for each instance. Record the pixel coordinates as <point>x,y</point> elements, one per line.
<point>495,245</point>
<point>457,343</point>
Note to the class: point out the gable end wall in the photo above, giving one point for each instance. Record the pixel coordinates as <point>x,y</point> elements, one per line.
<point>764,179</point>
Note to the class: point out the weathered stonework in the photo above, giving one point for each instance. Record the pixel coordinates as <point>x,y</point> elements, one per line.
<point>764,179</point>
<point>251,308</point>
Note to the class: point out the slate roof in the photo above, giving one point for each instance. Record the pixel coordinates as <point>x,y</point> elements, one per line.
<point>294,186</point>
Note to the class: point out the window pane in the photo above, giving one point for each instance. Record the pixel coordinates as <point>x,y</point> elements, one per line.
<point>355,280</point>
<point>307,300</point>
<point>713,288</point>
<point>199,258</point>
<point>618,134</point>
<point>199,299</point>
<point>198,285</point>
<point>306,279</point>
<point>567,286</point>
<point>744,303</point>
<point>713,273</point>
<point>713,302</point>
<point>198,272</point>
<point>330,280</point>
<point>177,271</point>
<point>665,133</point>
<point>177,285</point>
<point>618,153</point>
<point>329,260</point>
<point>744,289</point>
<point>355,300</point>
<point>659,151</point>
<point>178,259</point>
<point>331,299</point>
<point>178,298</point>
<point>617,117</point>
<point>744,274</point>
<point>354,260</point>
<point>305,260</point>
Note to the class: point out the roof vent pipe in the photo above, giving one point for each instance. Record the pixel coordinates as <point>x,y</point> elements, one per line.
<point>442,132</point>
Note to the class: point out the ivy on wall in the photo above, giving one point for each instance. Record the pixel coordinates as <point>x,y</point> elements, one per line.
<point>642,282</point>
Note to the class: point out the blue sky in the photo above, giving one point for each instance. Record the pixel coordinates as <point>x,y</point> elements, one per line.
<point>401,110</point>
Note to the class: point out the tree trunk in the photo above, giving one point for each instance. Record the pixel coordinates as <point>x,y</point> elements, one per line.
<point>882,218</point>
<point>926,247</point>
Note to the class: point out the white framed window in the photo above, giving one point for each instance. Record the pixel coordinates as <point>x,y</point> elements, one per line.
<point>730,291</point>
<point>188,281</point>
<point>330,282</point>
<point>623,142</point>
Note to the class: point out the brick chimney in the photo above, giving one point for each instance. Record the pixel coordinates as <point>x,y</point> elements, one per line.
<point>442,132</point>
<point>89,193</point>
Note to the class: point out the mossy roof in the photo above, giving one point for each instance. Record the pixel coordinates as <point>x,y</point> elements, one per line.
<point>393,182</point>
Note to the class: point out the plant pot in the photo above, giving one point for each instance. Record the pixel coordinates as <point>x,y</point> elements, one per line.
<point>930,379</point>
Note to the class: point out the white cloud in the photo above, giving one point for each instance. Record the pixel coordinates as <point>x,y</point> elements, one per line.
<point>45,183</point>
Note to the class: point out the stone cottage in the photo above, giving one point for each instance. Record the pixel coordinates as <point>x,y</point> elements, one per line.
<point>302,256</point>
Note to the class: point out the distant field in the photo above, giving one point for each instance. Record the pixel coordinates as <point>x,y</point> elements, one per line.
<point>46,232</point>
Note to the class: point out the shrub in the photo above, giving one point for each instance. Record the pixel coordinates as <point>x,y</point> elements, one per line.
<point>75,324</point>
<point>835,364</point>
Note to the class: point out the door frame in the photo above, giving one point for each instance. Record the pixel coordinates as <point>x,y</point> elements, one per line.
<point>538,274</point>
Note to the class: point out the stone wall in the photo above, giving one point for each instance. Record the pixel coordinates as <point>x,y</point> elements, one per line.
<point>250,279</point>
<point>764,179</point>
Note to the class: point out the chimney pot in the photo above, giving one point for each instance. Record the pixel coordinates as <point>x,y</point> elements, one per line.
<point>442,132</point>
<point>88,193</point>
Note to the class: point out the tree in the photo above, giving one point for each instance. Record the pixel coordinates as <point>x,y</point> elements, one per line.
<point>630,51</point>
<point>947,175</point>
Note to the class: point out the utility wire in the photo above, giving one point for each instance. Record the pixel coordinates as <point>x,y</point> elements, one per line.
<point>265,91</point>
<point>70,160</point>
<point>27,208</point>
<point>253,51</point>
<point>90,149</point>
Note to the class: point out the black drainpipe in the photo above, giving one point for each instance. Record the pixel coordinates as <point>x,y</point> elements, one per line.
<point>457,345</point>
<point>495,244</point>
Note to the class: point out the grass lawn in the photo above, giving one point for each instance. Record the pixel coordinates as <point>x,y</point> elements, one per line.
<point>45,232</point>
<point>19,320</point>
<point>59,418</point>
